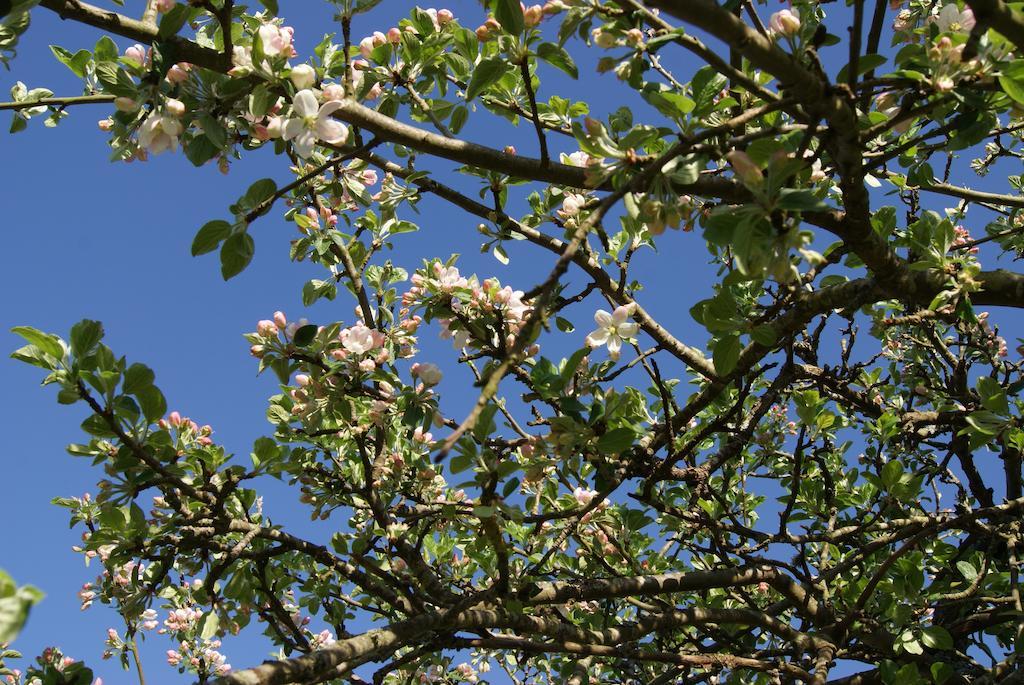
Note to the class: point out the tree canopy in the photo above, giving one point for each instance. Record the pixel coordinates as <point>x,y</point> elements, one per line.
<point>823,486</point>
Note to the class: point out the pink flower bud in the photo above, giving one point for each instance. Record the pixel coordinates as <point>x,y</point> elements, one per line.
<point>444,17</point>
<point>302,380</point>
<point>533,15</point>
<point>105,124</point>
<point>785,22</point>
<point>174,418</point>
<point>280,320</point>
<point>334,91</point>
<point>136,54</point>
<point>165,6</point>
<point>179,72</point>
<point>394,35</point>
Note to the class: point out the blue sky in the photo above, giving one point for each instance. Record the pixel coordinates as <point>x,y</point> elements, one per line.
<point>86,238</point>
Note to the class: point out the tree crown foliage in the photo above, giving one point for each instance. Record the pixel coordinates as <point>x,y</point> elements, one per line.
<point>827,480</point>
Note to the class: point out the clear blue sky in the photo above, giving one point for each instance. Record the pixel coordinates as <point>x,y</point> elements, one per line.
<point>87,238</point>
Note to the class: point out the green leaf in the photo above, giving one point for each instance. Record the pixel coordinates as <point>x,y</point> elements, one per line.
<point>216,133</point>
<point>1013,87</point>
<point>260,191</point>
<point>172,21</point>
<point>993,397</point>
<point>85,335</point>
<point>209,626</point>
<point>105,50</point>
<point>138,377</point>
<point>967,570</point>
<point>936,637</point>
<point>210,236</point>
<point>116,80</point>
<point>558,57</point>
<point>235,254</point>
<point>616,441</point>
<point>76,62</point>
<point>305,335</point>
<point>509,14</point>
<point>50,344</point>
<point>726,354</point>
<point>486,74</point>
<point>797,200</point>
<point>891,473</point>
<point>941,672</point>
<point>14,610</point>
<point>151,402</point>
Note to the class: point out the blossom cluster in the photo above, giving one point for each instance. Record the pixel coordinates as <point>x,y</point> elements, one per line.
<point>471,313</point>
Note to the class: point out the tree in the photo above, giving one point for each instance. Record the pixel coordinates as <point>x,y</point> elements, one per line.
<point>827,482</point>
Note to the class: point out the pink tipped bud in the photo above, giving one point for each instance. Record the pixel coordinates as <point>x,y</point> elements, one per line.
<point>280,320</point>
<point>444,17</point>
<point>394,35</point>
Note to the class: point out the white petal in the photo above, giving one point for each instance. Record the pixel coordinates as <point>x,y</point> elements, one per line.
<point>614,346</point>
<point>304,143</point>
<point>602,318</point>
<point>598,337</point>
<point>292,127</point>
<point>331,131</point>
<point>305,104</point>
<point>329,108</point>
<point>627,330</point>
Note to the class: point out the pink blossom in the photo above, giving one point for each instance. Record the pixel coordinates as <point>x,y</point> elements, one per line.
<point>165,5</point>
<point>136,54</point>
<point>360,339</point>
<point>785,22</point>
<point>276,40</point>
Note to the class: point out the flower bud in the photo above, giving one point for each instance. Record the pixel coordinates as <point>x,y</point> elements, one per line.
<point>176,108</point>
<point>785,22</point>
<point>602,38</point>
<point>123,104</point>
<point>394,35</point>
<point>303,76</point>
<point>444,17</point>
<point>178,73</point>
<point>745,168</point>
<point>334,91</point>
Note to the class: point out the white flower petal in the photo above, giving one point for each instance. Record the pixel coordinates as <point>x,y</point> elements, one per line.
<point>598,337</point>
<point>292,127</point>
<point>331,131</point>
<point>305,104</point>
<point>627,330</point>
<point>602,318</point>
<point>304,143</point>
<point>329,108</point>
<point>614,347</point>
